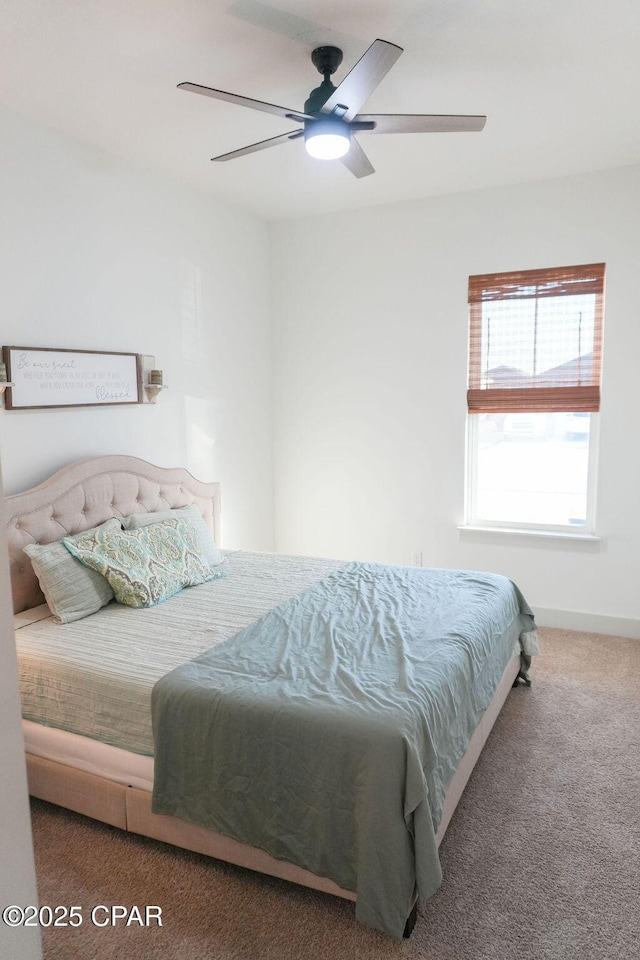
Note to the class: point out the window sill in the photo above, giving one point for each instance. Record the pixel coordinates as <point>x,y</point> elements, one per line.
<point>525,532</point>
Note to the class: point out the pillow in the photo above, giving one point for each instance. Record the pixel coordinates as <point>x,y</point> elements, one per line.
<point>71,590</point>
<point>206,543</point>
<point>145,566</point>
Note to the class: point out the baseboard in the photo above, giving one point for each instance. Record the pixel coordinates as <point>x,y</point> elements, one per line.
<point>588,622</point>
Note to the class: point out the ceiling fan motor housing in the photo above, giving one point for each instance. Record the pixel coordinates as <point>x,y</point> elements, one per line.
<point>318,97</point>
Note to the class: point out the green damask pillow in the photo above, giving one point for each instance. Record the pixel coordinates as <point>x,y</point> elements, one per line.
<point>148,565</point>
<point>206,544</point>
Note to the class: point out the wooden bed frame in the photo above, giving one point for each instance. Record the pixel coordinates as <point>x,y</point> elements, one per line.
<point>84,495</point>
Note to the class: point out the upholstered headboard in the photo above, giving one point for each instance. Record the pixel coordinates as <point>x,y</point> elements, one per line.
<point>87,493</point>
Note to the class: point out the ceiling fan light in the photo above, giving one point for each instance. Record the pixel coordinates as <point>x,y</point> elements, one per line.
<point>327,140</point>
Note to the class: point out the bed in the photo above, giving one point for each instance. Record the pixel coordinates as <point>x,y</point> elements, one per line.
<point>78,758</point>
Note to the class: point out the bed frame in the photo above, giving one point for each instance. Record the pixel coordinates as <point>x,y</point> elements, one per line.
<point>84,495</point>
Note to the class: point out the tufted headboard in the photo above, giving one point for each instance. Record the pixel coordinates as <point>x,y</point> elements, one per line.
<point>86,494</point>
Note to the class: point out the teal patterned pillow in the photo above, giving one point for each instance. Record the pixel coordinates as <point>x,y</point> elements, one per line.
<point>206,544</point>
<point>145,566</point>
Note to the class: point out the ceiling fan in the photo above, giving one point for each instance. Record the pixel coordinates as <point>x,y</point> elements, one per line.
<point>330,117</point>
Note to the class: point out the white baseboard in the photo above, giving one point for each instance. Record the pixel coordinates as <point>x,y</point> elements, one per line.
<point>588,622</point>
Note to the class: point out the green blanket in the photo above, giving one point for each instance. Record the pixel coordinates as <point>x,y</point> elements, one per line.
<point>327,732</point>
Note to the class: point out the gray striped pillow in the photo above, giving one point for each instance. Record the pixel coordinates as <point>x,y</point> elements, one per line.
<point>71,590</point>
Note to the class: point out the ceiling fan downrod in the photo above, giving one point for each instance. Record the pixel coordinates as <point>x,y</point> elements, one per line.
<point>326,60</point>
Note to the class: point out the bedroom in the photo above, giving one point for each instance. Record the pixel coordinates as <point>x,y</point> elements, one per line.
<point>317,420</point>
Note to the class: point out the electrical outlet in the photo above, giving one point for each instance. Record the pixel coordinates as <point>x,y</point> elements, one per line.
<point>416,558</point>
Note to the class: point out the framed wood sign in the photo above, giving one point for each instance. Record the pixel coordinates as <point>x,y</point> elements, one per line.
<point>43,377</point>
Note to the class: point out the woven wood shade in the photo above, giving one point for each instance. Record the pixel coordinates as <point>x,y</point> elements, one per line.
<point>535,340</point>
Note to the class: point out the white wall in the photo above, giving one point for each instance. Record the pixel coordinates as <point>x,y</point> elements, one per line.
<point>369,354</point>
<point>17,873</point>
<point>370,358</point>
<point>96,254</point>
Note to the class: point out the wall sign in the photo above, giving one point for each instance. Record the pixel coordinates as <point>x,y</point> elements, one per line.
<point>43,377</point>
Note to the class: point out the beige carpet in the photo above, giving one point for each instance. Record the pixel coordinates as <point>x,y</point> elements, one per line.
<point>541,860</point>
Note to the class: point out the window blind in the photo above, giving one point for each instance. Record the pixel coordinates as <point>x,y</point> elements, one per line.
<point>535,340</point>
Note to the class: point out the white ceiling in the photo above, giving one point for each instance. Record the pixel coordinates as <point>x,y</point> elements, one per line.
<point>559,81</point>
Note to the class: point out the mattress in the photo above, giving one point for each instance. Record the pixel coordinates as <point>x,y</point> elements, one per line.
<point>90,756</point>
<point>94,677</point>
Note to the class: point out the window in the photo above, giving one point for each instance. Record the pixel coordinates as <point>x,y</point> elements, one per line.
<point>535,356</point>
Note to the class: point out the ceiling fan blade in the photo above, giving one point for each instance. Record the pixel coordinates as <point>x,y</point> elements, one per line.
<point>245,102</point>
<point>262,145</point>
<point>420,123</point>
<point>361,81</point>
<point>357,161</point>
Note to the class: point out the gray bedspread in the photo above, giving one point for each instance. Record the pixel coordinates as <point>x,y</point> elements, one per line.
<point>327,732</point>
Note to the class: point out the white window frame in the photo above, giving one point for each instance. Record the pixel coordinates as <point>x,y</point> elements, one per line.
<point>586,531</point>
